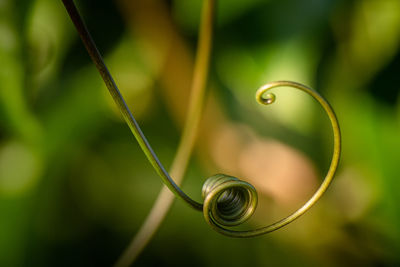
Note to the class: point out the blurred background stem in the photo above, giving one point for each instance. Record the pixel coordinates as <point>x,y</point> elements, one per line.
<point>186,144</point>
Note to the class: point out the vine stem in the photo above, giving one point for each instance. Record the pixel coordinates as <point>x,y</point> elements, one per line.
<point>123,107</point>
<point>187,141</point>
<point>186,144</point>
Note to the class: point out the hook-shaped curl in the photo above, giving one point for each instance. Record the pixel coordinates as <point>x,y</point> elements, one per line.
<point>229,201</point>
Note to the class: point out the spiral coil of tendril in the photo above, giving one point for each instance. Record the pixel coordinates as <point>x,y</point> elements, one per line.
<point>230,202</point>
<point>227,200</point>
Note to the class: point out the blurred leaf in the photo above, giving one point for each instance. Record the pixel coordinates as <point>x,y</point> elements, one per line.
<point>49,35</point>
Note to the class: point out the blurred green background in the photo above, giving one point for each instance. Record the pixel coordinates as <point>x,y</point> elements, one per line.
<point>75,186</point>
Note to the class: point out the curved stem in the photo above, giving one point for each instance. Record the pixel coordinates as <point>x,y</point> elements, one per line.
<point>181,160</point>
<point>119,100</point>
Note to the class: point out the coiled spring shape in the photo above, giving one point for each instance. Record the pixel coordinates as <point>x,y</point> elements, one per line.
<point>228,201</point>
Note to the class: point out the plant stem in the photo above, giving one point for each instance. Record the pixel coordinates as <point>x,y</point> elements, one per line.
<point>180,162</point>
<point>116,94</point>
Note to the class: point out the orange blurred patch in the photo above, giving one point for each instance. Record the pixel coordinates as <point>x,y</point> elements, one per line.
<point>278,170</point>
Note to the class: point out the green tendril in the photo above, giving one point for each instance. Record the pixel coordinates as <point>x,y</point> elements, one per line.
<point>228,201</point>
